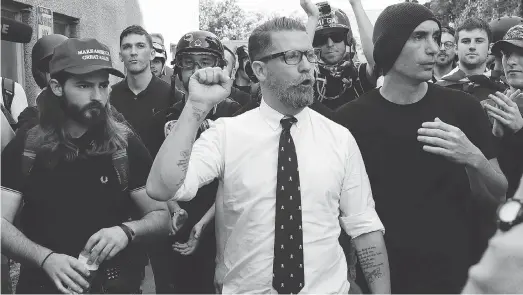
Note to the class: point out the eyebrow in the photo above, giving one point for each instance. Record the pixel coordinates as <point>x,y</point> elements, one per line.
<point>424,33</point>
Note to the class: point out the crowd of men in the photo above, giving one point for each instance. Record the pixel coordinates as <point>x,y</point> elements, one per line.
<point>283,166</point>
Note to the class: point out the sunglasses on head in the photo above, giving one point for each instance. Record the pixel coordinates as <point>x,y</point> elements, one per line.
<point>336,37</point>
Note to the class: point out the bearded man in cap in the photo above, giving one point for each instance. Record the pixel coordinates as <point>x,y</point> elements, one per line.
<point>429,155</point>
<point>80,175</point>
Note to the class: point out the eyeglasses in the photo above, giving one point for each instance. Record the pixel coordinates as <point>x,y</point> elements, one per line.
<point>448,45</point>
<point>293,57</point>
<point>189,63</point>
<point>321,39</point>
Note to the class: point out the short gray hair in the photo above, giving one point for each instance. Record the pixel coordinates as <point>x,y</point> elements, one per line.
<point>159,36</point>
<point>260,39</point>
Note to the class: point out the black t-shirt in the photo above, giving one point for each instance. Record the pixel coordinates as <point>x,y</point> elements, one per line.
<point>142,110</point>
<point>423,200</point>
<point>65,205</point>
<point>333,95</point>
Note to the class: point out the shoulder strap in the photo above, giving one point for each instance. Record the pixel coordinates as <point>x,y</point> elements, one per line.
<point>29,154</point>
<point>121,166</point>
<point>8,92</point>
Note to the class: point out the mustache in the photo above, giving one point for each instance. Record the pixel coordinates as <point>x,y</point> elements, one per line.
<point>93,105</point>
<point>305,78</point>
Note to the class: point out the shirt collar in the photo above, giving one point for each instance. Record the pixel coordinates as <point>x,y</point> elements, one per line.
<point>273,117</point>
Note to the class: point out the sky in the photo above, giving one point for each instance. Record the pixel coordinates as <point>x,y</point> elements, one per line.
<point>173,18</point>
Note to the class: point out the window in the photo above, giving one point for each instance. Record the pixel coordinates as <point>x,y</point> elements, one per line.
<point>12,53</point>
<point>64,25</point>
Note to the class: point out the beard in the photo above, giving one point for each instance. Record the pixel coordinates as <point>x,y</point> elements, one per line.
<point>293,94</point>
<point>445,62</point>
<point>90,115</point>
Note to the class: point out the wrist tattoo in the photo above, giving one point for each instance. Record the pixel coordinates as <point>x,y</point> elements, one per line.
<point>370,264</point>
<point>198,113</point>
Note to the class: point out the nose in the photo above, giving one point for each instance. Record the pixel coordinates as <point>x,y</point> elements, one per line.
<point>97,94</point>
<point>305,65</point>
<point>511,59</point>
<point>442,47</point>
<point>432,47</point>
<point>133,50</point>
<point>330,42</point>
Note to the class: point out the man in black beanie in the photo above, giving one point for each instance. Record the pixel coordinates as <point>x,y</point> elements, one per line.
<point>429,156</point>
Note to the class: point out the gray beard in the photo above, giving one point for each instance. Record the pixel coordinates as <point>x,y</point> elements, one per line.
<point>295,97</point>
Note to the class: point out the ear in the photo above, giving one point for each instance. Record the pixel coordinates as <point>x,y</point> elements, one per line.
<point>153,53</point>
<point>56,87</point>
<point>120,55</point>
<point>260,70</point>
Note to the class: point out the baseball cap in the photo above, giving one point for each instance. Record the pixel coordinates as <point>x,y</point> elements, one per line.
<point>513,37</point>
<point>82,56</point>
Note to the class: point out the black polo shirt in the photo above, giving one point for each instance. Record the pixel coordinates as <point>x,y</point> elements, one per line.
<point>142,109</point>
<point>64,205</point>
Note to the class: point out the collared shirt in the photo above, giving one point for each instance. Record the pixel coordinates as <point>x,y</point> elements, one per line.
<point>144,110</point>
<point>242,152</point>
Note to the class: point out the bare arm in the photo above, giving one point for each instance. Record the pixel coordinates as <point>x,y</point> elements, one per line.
<point>155,217</point>
<point>366,30</point>
<point>374,261</point>
<point>207,88</point>
<point>486,179</point>
<point>312,17</point>
<point>65,271</point>
<point>15,244</point>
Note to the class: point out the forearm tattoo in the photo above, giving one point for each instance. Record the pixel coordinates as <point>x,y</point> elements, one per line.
<point>371,264</point>
<point>183,164</point>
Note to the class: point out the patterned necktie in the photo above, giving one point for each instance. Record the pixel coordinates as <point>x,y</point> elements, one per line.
<point>288,277</point>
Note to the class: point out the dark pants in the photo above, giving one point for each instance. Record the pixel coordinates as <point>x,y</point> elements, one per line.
<point>194,274</point>
<point>161,257</point>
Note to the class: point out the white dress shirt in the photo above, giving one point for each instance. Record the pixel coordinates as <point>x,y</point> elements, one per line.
<point>242,152</point>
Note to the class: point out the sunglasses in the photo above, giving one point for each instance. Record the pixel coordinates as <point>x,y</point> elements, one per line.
<point>322,39</point>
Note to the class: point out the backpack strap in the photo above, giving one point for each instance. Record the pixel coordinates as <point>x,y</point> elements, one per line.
<point>121,166</point>
<point>8,94</point>
<point>119,159</point>
<point>29,154</point>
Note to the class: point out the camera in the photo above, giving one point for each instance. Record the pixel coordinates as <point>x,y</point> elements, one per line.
<point>324,7</point>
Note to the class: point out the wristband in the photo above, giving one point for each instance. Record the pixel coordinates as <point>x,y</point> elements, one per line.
<point>128,232</point>
<point>45,259</point>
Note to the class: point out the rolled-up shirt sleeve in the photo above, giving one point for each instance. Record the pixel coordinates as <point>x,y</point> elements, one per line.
<point>358,215</point>
<point>206,162</point>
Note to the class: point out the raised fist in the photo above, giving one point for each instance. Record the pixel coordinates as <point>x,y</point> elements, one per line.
<point>209,86</point>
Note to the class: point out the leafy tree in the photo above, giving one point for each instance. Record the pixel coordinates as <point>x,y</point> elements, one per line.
<point>455,11</point>
<point>227,19</point>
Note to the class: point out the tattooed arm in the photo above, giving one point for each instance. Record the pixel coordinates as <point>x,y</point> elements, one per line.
<point>207,87</point>
<point>374,261</point>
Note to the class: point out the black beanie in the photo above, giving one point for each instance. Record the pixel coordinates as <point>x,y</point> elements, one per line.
<point>393,28</point>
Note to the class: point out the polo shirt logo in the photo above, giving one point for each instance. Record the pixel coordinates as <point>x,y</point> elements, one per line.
<point>104,179</point>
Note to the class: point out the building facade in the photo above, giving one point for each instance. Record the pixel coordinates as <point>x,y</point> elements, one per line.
<point>100,19</point>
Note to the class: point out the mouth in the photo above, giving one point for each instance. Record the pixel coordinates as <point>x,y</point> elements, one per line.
<point>306,82</point>
<point>472,54</point>
<point>513,72</point>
